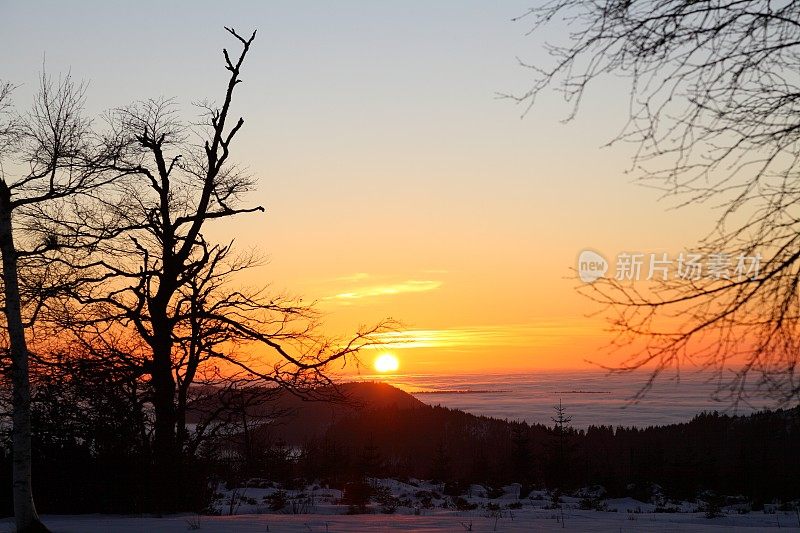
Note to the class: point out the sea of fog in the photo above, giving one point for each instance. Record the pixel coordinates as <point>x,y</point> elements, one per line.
<point>589,397</point>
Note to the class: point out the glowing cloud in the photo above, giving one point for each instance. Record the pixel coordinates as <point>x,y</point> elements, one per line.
<point>481,336</point>
<point>388,290</point>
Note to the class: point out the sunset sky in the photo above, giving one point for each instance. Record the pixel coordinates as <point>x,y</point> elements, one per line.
<point>396,182</point>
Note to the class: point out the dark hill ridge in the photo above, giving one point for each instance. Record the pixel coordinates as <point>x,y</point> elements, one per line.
<point>378,394</point>
<point>295,419</point>
<point>313,418</point>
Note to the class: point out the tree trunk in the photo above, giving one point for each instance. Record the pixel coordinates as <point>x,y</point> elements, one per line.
<point>27,520</point>
<point>166,458</point>
<point>181,433</point>
<point>163,401</point>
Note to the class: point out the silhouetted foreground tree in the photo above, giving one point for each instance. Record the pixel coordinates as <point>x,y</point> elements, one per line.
<point>162,303</point>
<point>103,250</point>
<point>49,160</point>
<point>715,112</point>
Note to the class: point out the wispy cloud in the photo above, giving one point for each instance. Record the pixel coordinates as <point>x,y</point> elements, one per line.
<point>390,289</point>
<point>480,336</point>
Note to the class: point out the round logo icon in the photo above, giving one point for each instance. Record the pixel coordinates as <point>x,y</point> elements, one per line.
<point>591,266</point>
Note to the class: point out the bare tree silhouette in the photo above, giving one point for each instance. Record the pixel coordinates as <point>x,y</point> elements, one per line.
<point>161,299</point>
<point>715,113</point>
<point>48,160</point>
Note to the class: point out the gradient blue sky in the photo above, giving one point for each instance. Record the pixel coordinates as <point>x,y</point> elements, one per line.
<point>389,168</point>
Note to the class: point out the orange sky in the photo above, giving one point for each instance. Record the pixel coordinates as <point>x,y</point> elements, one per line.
<point>396,183</point>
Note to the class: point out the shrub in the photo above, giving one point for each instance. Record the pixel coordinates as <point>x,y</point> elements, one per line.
<point>386,500</point>
<point>462,504</point>
<point>555,500</point>
<point>301,503</point>
<point>713,505</point>
<point>454,488</point>
<point>356,496</point>
<point>494,493</point>
<point>276,501</point>
<point>425,499</point>
<point>593,503</point>
<point>665,509</point>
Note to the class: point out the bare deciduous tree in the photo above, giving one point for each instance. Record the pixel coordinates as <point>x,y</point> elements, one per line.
<point>163,300</point>
<point>715,113</point>
<point>48,157</point>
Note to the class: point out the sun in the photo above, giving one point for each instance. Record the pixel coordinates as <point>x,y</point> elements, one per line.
<point>386,363</point>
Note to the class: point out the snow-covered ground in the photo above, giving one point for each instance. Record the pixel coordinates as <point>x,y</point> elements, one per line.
<point>524,520</point>
<point>421,507</point>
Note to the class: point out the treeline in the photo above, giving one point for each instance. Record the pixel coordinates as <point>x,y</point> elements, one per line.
<point>93,451</point>
<point>754,456</point>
